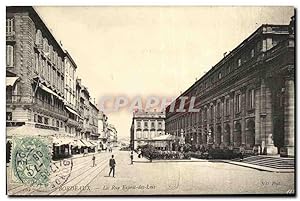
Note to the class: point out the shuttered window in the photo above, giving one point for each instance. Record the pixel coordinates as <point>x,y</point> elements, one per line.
<point>9,55</point>
<point>9,26</point>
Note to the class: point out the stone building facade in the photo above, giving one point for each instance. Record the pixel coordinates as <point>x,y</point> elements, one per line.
<point>35,63</point>
<point>70,95</point>
<point>42,91</point>
<point>246,99</point>
<point>146,126</point>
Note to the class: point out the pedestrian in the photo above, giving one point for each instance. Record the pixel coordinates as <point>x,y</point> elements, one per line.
<point>131,157</point>
<point>93,159</point>
<point>112,164</point>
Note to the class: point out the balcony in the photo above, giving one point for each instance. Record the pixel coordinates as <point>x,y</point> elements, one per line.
<point>43,105</point>
<point>19,99</point>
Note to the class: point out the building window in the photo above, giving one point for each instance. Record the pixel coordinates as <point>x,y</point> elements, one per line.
<point>238,103</point>
<point>36,62</point>
<point>220,75</point>
<point>251,98</point>
<point>227,106</point>
<point>55,58</point>
<point>35,118</point>
<point>51,53</point>
<point>8,116</point>
<point>9,26</point>
<point>45,45</point>
<point>219,109</point>
<point>138,124</point>
<point>239,62</point>
<point>159,125</point>
<point>9,55</point>
<point>43,71</point>
<point>252,53</point>
<point>228,69</point>
<point>39,38</point>
<point>40,119</point>
<point>146,124</point>
<point>152,125</point>
<point>46,121</point>
<point>212,112</point>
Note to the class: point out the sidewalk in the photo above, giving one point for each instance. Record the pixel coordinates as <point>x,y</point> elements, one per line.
<point>241,163</point>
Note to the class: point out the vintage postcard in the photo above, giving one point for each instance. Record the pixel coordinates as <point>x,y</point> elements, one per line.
<point>151,100</point>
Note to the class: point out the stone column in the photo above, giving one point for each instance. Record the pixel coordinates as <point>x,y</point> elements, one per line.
<point>222,118</point>
<point>231,108</point>
<point>262,114</point>
<point>257,117</point>
<point>243,114</point>
<point>271,149</point>
<point>289,116</point>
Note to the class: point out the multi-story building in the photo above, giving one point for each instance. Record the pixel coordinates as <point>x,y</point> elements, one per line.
<point>85,105</point>
<point>93,122</point>
<point>146,126</point>
<point>70,95</point>
<point>246,99</point>
<point>102,129</point>
<point>79,108</point>
<point>112,135</point>
<point>35,72</point>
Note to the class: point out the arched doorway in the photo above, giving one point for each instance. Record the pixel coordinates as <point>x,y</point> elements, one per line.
<point>227,135</point>
<point>218,135</point>
<point>237,134</point>
<point>250,133</point>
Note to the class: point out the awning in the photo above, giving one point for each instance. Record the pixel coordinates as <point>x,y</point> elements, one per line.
<point>10,81</point>
<point>50,91</point>
<point>79,143</point>
<point>58,141</point>
<point>88,144</point>
<point>72,111</point>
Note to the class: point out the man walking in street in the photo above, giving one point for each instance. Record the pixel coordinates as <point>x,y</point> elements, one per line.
<point>112,164</point>
<point>131,157</point>
<point>93,159</point>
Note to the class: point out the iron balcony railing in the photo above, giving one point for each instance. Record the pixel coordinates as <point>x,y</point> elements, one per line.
<point>30,100</point>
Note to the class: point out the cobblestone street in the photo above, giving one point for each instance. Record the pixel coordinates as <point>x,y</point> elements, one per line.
<point>164,178</point>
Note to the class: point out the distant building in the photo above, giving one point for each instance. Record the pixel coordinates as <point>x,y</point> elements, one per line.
<point>93,122</point>
<point>102,129</point>
<point>146,126</point>
<point>112,135</point>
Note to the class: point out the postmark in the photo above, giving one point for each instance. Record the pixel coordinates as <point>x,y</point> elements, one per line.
<point>31,159</point>
<point>32,164</point>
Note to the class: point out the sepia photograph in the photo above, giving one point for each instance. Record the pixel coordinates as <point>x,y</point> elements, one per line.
<point>150,100</point>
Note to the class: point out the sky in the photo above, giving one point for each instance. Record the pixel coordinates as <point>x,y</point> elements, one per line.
<point>151,51</point>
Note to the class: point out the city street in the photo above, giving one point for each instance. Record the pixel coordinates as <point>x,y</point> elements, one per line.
<point>164,178</point>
